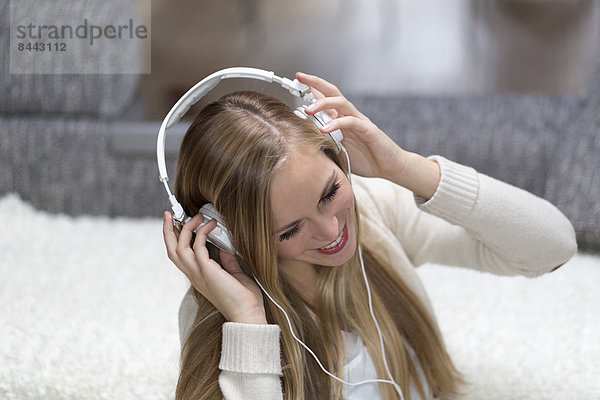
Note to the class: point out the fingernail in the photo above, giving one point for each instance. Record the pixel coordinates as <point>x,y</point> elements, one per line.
<point>326,127</point>
<point>311,107</point>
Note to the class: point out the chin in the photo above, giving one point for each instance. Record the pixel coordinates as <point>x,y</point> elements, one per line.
<point>339,262</point>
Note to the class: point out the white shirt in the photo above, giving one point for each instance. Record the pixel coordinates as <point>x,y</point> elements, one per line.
<point>359,366</point>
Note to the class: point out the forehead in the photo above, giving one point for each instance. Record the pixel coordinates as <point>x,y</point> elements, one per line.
<point>298,185</point>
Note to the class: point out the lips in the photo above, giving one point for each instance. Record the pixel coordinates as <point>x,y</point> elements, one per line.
<point>337,244</point>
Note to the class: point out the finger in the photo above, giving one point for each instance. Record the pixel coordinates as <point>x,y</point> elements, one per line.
<point>170,236</point>
<point>340,104</point>
<point>175,227</point>
<point>318,95</point>
<point>346,124</point>
<point>209,269</point>
<point>185,236</point>
<point>202,235</point>
<point>320,84</point>
<point>201,254</point>
<point>195,261</point>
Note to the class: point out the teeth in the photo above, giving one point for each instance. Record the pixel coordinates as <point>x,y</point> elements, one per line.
<point>337,241</point>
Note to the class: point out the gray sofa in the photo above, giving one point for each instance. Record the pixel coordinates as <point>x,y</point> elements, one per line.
<point>77,144</point>
<point>546,144</point>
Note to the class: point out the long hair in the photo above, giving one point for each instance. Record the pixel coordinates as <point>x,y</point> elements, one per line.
<point>229,157</point>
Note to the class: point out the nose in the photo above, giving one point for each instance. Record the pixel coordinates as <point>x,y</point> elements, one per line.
<point>327,228</point>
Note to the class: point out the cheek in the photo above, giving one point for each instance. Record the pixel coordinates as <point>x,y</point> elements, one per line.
<point>292,247</point>
<point>346,198</point>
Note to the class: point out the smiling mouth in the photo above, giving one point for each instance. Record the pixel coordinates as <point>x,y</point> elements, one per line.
<point>337,245</point>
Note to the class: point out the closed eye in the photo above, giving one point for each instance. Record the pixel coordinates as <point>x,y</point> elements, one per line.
<point>289,234</point>
<point>334,189</point>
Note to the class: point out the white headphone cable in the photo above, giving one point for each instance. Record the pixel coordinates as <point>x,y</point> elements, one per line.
<point>391,381</point>
<point>387,368</point>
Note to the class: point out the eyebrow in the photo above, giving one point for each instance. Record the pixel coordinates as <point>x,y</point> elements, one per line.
<point>326,190</point>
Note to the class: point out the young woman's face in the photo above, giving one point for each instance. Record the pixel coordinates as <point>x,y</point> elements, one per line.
<point>313,208</point>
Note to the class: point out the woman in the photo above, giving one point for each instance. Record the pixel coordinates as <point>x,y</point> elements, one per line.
<point>297,222</point>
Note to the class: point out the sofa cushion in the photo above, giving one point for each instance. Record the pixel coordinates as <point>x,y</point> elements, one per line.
<point>574,177</point>
<point>69,166</point>
<point>509,137</point>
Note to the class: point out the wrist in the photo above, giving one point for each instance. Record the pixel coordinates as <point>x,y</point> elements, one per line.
<point>418,174</point>
<point>395,167</point>
<point>250,319</point>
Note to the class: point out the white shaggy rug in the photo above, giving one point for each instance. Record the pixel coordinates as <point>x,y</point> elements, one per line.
<point>88,310</point>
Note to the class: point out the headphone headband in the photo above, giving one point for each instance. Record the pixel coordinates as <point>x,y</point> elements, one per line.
<point>199,90</point>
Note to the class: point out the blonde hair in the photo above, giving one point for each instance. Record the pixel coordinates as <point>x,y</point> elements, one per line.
<point>229,157</point>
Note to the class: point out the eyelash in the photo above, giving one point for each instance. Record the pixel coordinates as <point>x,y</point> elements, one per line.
<point>331,194</point>
<point>289,234</point>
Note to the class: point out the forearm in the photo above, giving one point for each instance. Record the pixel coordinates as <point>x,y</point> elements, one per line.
<point>513,230</point>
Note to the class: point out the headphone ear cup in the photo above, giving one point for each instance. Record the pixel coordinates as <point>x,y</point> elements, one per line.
<point>219,236</point>
<point>209,210</point>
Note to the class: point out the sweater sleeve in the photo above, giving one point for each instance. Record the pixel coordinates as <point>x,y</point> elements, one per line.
<point>250,356</point>
<point>478,222</point>
<point>250,362</point>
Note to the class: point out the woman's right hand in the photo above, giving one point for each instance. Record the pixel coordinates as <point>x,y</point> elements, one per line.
<point>228,288</point>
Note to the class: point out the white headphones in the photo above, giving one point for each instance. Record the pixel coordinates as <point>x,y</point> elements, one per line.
<point>220,235</point>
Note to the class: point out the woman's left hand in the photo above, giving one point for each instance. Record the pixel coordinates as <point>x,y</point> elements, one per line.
<point>371,151</point>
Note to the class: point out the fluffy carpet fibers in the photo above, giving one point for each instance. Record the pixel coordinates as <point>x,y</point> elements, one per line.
<point>88,310</point>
